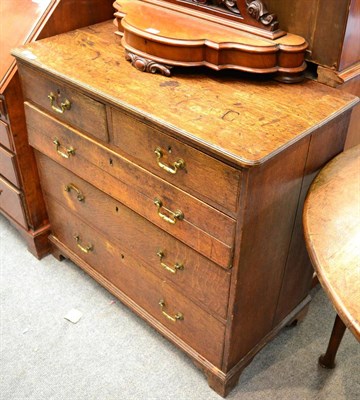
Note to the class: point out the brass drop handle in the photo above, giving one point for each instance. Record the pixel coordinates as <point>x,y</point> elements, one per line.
<point>85,249</point>
<point>174,215</point>
<point>65,154</point>
<point>59,108</point>
<point>177,317</point>
<point>71,186</point>
<point>173,270</point>
<point>172,168</point>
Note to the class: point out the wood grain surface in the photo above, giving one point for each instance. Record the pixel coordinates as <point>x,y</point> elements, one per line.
<point>238,122</point>
<point>332,233</point>
<point>143,239</point>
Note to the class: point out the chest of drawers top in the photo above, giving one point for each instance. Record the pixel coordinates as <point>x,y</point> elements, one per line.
<point>245,122</point>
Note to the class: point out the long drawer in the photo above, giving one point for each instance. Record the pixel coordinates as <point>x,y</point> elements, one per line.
<point>196,276</point>
<point>65,103</point>
<point>11,202</point>
<point>202,227</point>
<point>205,177</point>
<point>8,166</point>
<point>195,326</point>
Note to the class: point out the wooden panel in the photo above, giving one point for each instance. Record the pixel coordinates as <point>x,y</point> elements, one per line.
<point>202,175</point>
<point>27,170</point>
<point>200,279</point>
<point>321,22</point>
<point>269,216</point>
<point>325,144</point>
<point>351,47</point>
<point>23,14</point>
<point>39,19</point>
<point>8,166</point>
<point>353,135</point>
<point>11,202</point>
<point>5,135</point>
<point>203,228</point>
<point>73,14</point>
<point>203,332</point>
<point>84,113</point>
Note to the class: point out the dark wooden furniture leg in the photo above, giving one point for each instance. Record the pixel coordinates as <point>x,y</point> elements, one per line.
<point>327,360</point>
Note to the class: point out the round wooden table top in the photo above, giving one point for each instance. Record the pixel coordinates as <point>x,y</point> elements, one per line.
<point>332,234</point>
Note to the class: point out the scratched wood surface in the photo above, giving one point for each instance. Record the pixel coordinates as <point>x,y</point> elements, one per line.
<point>332,233</point>
<point>243,119</point>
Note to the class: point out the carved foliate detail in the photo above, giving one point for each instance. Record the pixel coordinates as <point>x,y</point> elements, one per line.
<point>146,65</point>
<point>245,9</point>
<point>229,4</point>
<point>257,10</point>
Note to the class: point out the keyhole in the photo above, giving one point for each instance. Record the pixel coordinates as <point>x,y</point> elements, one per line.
<point>111,161</point>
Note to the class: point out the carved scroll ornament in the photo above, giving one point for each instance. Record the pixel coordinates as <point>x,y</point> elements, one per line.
<point>256,9</point>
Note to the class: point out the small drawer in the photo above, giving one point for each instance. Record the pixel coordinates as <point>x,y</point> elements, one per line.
<point>190,220</point>
<point>11,202</point>
<point>199,329</point>
<point>195,276</point>
<point>8,166</point>
<point>5,135</point>
<point>3,114</point>
<point>65,103</point>
<point>207,178</point>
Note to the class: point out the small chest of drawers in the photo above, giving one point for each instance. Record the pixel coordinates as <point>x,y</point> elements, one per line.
<point>182,196</point>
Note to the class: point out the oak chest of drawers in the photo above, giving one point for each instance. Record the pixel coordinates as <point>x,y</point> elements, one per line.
<point>182,196</point>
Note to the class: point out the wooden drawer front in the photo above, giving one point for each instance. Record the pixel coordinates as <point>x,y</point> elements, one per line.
<point>85,113</point>
<point>185,167</point>
<point>5,135</point>
<point>203,281</point>
<point>203,228</point>
<point>11,202</point>
<point>8,166</point>
<point>2,109</point>
<point>199,329</point>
